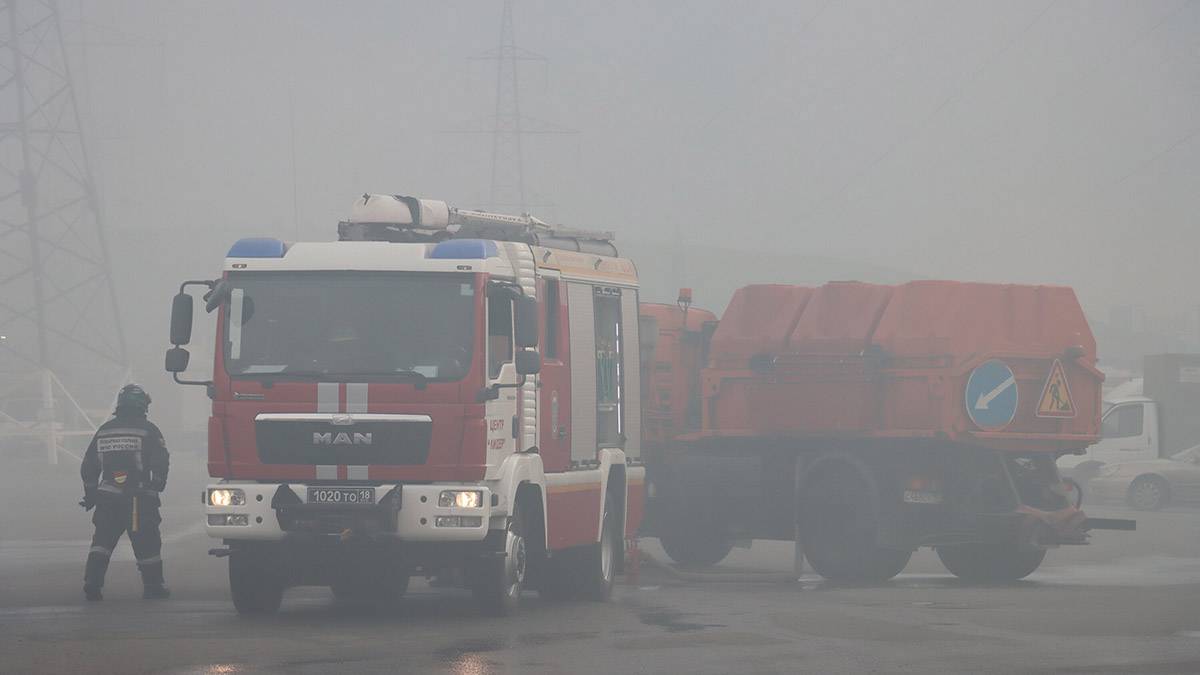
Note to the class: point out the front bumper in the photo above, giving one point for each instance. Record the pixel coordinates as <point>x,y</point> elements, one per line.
<point>405,512</point>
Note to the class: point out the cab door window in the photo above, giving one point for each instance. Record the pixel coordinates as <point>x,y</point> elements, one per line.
<point>1123,421</point>
<point>500,330</point>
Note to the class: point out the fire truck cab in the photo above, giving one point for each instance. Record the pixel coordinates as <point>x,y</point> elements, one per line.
<point>439,392</point>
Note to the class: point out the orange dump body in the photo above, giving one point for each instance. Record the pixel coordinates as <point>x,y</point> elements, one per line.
<point>849,359</point>
<point>671,372</point>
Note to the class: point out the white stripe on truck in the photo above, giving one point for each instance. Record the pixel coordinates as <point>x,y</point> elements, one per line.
<point>356,398</point>
<point>328,398</point>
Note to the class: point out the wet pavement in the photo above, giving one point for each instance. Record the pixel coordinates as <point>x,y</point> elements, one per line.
<point>1128,603</point>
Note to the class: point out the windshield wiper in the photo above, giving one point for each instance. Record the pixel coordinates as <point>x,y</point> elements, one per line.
<point>339,376</point>
<point>420,378</point>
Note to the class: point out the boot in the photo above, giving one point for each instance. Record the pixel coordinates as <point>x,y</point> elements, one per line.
<point>156,592</point>
<point>93,576</point>
<point>153,587</point>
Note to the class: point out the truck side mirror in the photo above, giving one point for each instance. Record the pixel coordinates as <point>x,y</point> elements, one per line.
<point>219,295</point>
<point>181,319</point>
<point>528,362</point>
<point>526,322</point>
<point>177,360</point>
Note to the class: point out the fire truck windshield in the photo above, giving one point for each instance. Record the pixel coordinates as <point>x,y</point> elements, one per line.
<point>338,325</point>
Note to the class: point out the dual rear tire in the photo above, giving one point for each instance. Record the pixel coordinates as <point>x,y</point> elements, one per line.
<point>696,544</point>
<point>839,524</point>
<point>992,562</point>
<point>587,572</point>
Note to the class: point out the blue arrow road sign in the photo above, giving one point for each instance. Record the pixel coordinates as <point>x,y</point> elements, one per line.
<point>991,395</point>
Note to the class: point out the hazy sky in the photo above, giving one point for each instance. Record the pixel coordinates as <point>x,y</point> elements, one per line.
<point>1007,141</point>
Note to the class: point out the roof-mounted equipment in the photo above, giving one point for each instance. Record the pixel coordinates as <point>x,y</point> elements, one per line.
<point>397,218</point>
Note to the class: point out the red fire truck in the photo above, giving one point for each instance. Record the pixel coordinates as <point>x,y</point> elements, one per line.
<point>441,392</point>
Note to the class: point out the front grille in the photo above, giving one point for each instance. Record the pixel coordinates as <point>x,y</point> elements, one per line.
<point>322,442</point>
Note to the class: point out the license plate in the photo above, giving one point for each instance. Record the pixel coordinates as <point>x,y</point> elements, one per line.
<point>318,495</point>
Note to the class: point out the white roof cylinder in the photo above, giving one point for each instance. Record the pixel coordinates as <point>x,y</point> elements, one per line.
<point>429,214</point>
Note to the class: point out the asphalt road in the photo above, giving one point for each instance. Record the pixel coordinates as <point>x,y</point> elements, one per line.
<point>1128,603</point>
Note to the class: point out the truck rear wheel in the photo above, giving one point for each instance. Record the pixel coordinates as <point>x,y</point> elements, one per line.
<point>991,563</point>
<point>256,588</point>
<point>696,544</point>
<point>498,581</point>
<point>598,564</point>
<point>839,529</point>
<point>586,572</point>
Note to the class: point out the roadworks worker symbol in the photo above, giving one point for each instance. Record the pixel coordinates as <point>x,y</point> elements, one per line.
<point>1056,395</point>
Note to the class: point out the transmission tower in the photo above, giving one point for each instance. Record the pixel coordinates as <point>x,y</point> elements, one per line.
<point>507,125</point>
<point>61,342</point>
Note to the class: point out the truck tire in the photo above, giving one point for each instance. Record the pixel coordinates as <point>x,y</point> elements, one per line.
<point>696,544</point>
<point>586,572</point>
<point>839,528</point>
<point>991,563</point>
<point>598,562</point>
<point>498,581</point>
<point>255,587</point>
<point>1148,493</point>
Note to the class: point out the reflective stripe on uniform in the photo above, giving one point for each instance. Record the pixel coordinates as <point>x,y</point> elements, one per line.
<point>123,431</point>
<point>101,550</point>
<point>105,487</point>
<point>151,560</point>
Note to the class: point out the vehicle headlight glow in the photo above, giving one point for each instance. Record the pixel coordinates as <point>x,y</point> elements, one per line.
<point>463,499</point>
<point>226,497</point>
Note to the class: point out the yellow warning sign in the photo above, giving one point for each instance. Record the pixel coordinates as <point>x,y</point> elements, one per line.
<point>1056,395</point>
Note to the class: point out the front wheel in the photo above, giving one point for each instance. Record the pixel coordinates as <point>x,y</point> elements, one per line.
<point>991,563</point>
<point>1148,493</point>
<point>498,581</point>
<point>255,587</point>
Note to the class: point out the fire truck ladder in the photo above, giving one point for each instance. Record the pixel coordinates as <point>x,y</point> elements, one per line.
<point>474,224</point>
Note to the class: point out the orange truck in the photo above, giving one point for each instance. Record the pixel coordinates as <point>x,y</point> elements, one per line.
<point>866,421</point>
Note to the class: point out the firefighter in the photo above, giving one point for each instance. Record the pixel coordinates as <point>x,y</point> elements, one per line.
<point>123,471</point>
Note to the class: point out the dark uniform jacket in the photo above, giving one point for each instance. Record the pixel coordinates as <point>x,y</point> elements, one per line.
<point>126,458</point>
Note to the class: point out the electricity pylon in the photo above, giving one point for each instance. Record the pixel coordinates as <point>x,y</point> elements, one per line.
<point>59,325</point>
<point>507,125</point>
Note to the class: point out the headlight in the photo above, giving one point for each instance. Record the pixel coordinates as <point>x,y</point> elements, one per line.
<point>226,497</point>
<point>463,499</point>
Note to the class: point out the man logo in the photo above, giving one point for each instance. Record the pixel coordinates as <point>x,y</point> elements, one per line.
<point>341,438</point>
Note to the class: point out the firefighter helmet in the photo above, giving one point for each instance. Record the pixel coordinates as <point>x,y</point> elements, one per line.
<point>133,397</point>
